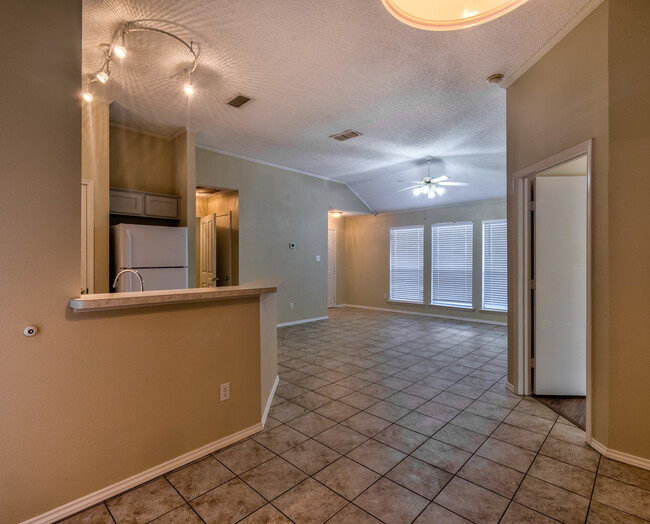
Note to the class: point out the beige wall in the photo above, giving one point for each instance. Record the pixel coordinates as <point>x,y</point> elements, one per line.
<point>140,161</point>
<point>183,184</point>
<point>367,255</point>
<point>629,226</point>
<point>595,84</point>
<point>338,224</point>
<point>97,397</point>
<point>560,102</point>
<point>95,166</point>
<point>277,207</point>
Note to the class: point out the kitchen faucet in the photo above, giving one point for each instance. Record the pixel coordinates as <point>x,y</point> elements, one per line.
<point>117,277</point>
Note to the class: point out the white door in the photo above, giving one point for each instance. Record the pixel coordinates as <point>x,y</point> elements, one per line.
<point>223,232</point>
<point>560,291</point>
<point>87,237</point>
<point>331,267</point>
<point>208,251</point>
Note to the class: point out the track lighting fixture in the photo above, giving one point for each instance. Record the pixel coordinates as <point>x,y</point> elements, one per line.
<point>117,48</point>
<point>189,88</point>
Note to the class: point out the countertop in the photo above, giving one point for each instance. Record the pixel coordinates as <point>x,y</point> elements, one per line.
<point>102,301</point>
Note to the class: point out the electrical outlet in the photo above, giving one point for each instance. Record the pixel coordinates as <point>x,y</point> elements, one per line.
<point>317,258</point>
<point>225,391</point>
<point>290,305</point>
<point>385,296</point>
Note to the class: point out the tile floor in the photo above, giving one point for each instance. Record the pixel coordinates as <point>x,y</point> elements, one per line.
<point>382,417</point>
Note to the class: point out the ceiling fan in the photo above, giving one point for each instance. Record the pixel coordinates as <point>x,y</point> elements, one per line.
<point>432,187</point>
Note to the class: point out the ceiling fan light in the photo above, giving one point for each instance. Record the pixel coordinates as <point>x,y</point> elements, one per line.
<point>431,195</point>
<point>417,191</point>
<point>448,15</point>
<point>440,190</point>
<point>426,190</point>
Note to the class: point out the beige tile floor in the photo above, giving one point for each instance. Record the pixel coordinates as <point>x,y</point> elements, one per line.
<point>382,417</point>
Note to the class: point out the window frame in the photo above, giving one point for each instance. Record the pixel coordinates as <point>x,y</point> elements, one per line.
<point>462,305</point>
<point>503,221</point>
<point>420,269</point>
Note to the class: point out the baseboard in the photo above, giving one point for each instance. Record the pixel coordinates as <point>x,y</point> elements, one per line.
<point>510,388</point>
<point>436,315</point>
<point>269,401</point>
<point>98,496</point>
<point>626,458</point>
<point>303,321</point>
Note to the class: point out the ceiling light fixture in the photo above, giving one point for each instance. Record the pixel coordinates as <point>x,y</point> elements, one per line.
<point>431,187</point>
<point>448,15</point>
<point>335,214</point>
<point>117,48</point>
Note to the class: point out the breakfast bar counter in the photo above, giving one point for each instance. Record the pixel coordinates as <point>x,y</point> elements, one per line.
<point>103,301</point>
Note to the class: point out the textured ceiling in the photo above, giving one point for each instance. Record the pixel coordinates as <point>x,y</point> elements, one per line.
<point>320,67</point>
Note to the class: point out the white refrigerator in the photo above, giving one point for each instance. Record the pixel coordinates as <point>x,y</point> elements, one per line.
<point>158,253</point>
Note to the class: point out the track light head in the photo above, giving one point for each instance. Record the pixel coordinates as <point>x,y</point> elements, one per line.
<point>189,88</point>
<point>87,96</point>
<point>119,51</point>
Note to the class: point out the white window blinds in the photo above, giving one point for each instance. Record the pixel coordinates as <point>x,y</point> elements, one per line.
<point>495,266</point>
<point>451,264</point>
<point>407,264</point>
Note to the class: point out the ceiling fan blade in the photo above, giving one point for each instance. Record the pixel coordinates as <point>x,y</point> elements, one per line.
<point>440,179</point>
<point>453,184</point>
<point>407,188</point>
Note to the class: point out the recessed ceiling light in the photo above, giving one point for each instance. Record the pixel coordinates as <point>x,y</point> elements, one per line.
<point>447,15</point>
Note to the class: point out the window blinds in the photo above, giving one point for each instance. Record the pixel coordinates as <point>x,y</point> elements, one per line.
<point>495,266</point>
<point>407,264</point>
<point>451,264</point>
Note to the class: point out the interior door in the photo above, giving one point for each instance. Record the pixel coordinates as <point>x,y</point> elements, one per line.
<point>560,290</point>
<point>208,251</point>
<point>223,228</point>
<point>331,267</point>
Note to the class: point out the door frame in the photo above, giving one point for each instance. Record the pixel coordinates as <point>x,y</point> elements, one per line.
<point>90,233</point>
<point>328,257</point>
<point>520,190</point>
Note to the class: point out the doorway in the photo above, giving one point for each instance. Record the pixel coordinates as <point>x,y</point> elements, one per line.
<point>87,237</point>
<point>217,237</point>
<point>553,283</point>
<point>215,250</point>
<point>331,268</point>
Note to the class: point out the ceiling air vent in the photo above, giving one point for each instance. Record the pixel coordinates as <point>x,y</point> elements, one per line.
<point>239,101</point>
<point>345,135</point>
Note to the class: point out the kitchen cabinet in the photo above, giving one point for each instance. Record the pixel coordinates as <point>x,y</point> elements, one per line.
<point>140,203</point>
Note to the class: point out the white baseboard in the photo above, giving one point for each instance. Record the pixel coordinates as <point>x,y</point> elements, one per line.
<point>626,458</point>
<point>303,321</point>
<point>510,388</point>
<point>98,496</point>
<point>269,401</point>
<point>437,315</point>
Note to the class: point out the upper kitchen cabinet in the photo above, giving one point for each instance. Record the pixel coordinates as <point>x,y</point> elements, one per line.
<point>139,203</point>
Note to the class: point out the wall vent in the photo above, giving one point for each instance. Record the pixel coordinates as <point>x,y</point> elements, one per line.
<point>239,101</point>
<point>345,135</point>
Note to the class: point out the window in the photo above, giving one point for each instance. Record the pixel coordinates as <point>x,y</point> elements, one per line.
<point>451,264</point>
<point>495,266</point>
<point>407,264</point>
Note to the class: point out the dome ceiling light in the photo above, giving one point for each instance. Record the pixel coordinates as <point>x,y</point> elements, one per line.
<point>448,15</point>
